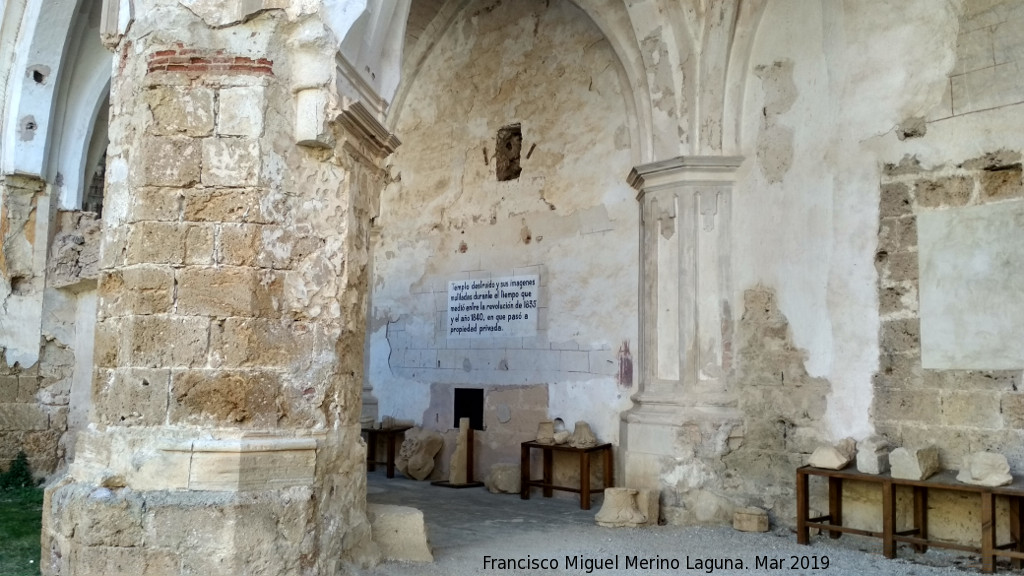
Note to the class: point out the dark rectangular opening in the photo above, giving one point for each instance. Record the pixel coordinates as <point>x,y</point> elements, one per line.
<point>469,403</point>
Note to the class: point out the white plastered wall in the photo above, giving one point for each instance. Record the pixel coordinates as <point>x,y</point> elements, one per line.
<point>831,82</point>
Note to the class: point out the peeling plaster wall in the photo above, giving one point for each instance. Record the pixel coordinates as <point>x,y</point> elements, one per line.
<point>891,111</point>
<point>570,218</point>
<point>832,81</point>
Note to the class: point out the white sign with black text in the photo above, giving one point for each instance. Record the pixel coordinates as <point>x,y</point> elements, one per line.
<point>493,307</point>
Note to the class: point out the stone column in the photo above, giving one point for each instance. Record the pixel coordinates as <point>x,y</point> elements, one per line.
<point>224,437</point>
<point>684,412</point>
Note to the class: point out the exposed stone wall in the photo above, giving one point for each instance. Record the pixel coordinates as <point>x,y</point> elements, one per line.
<point>75,252</point>
<point>568,218</point>
<point>960,411</point>
<point>36,364</point>
<point>231,315</point>
<point>783,410</point>
<point>34,409</point>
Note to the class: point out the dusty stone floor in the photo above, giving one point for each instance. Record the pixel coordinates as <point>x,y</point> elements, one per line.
<point>465,526</point>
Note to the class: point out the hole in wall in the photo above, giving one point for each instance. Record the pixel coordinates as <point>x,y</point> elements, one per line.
<point>509,147</point>
<point>20,285</point>
<point>39,73</point>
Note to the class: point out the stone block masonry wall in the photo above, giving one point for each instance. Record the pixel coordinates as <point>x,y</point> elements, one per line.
<point>231,314</point>
<point>783,410</point>
<point>34,409</point>
<point>961,411</point>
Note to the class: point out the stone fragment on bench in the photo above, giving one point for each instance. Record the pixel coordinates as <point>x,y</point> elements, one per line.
<point>399,532</point>
<point>504,478</point>
<point>985,469</point>
<point>752,519</point>
<point>833,457</point>
<point>914,463</point>
<point>628,508</point>
<point>873,455</point>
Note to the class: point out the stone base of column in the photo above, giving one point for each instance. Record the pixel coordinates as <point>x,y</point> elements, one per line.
<point>156,503</point>
<point>678,451</point>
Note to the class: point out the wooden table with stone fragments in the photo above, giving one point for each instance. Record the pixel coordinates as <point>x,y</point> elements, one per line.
<point>546,481</point>
<point>917,535</point>
<point>390,435</point>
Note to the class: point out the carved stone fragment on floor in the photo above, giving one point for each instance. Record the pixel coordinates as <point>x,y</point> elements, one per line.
<point>628,508</point>
<point>416,456</point>
<point>504,479</point>
<point>750,519</point>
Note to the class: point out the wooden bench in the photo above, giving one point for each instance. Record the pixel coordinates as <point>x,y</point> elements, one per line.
<point>916,535</point>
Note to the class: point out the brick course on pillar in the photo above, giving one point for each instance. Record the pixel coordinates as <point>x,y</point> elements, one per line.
<point>229,338</point>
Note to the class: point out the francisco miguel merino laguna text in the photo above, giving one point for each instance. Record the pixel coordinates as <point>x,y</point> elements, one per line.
<point>707,565</point>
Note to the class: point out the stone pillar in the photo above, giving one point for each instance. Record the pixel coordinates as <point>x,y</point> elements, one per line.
<point>224,437</point>
<point>684,411</point>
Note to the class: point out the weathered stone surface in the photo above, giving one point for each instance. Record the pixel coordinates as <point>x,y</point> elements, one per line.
<point>399,532</point>
<point>415,459</point>
<point>158,204</point>
<point>900,335</point>
<point>159,341</point>
<point>914,463</point>
<point>156,168</point>
<point>256,342</point>
<point>582,436</point>
<point>233,162</point>
<point>961,408</point>
<point>545,432</point>
<point>828,457</point>
<point>228,291</point>
<point>222,397</point>
<point>458,464</point>
<point>240,111</point>
<point>985,469</point>
<point>873,455</point>
<point>504,479</point>
<point>994,160</point>
<point>131,396</point>
<point>895,198</point>
<point>169,243</point>
<point>750,519</point>
<point>111,519</point>
<point>137,290</point>
<point>1001,184</point>
<point>180,110</point>
<point>223,205</point>
<point>951,191</point>
<point>622,509</point>
<point>20,417</point>
<point>1011,407</point>
<point>251,465</point>
<point>74,256</point>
